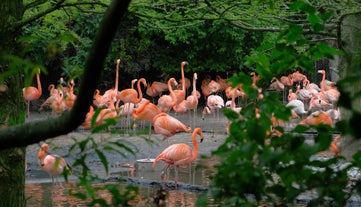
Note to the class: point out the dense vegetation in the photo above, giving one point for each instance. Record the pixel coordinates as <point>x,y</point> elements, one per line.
<point>269,37</point>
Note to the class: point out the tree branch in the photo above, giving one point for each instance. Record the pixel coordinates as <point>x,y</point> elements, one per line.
<point>59,4</point>
<point>33,132</point>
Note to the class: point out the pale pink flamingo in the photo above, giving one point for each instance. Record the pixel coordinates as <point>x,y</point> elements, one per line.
<point>32,93</point>
<point>297,106</point>
<point>191,102</point>
<point>332,94</point>
<point>214,103</point>
<point>276,85</point>
<point>179,154</point>
<point>167,125</point>
<point>106,97</point>
<point>53,164</point>
<point>166,102</point>
<point>291,95</point>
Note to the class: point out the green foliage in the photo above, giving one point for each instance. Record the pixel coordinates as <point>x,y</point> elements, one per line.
<point>257,167</point>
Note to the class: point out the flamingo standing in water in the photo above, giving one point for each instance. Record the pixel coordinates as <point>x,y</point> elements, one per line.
<point>166,102</point>
<point>167,125</point>
<point>53,164</point>
<point>32,93</point>
<point>181,94</point>
<point>179,154</point>
<point>146,112</point>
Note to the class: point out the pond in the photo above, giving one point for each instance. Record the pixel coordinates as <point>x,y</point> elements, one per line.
<point>40,191</point>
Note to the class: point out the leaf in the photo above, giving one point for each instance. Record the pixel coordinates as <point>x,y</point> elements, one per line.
<point>103,159</point>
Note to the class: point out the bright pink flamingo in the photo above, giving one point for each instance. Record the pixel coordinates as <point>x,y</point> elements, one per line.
<point>181,94</point>
<point>32,93</point>
<point>167,125</point>
<point>52,164</point>
<point>179,154</point>
<point>166,102</point>
<point>131,95</point>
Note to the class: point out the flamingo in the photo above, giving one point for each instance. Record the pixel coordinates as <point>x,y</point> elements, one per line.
<point>146,111</point>
<point>166,102</point>
<point>297,106</point>
<point>332,94</point>
<point>287,80</point>
<point>317,118</point>
<point>181,94</point>
<point>276,85</point>
<point>191,102</point>
<point>70,97</point>
<point>179,154</point>
<point>291,95</point>
<point>88,118</point>
<point>32,93</point>
<point>156,89</point>
<point>222,82</point>
<point>52,164</point>
<point>114,91</point>
<point>167,125</point>
<point>214,102</point>
<point>130,95</point>
<point>53,94</point>
<point>298,77</point>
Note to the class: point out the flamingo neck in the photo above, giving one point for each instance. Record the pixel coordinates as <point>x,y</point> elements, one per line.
<point>172,94</point>
<point>39,83</point>
<point>116,76</point>
<point>140,97</point>
<point>194,86</point>
<point>195,144</point>
<point>183,79</point>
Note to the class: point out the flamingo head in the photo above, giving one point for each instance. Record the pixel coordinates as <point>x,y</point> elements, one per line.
<point>321,71</point>
<point>184,63</point>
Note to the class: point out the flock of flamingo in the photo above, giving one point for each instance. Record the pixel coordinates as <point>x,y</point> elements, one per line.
<point>312,103</point>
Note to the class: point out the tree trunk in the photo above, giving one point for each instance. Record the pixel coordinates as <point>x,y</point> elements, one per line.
<point>12,161</point>
<point>350,31</point>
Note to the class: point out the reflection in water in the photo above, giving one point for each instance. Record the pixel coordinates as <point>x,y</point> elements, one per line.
<point>52,195</point>
<point>57,195</point>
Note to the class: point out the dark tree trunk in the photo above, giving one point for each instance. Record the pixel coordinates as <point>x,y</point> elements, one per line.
<point>12,161</point>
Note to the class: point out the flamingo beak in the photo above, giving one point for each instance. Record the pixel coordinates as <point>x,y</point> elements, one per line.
<point>202,137</point>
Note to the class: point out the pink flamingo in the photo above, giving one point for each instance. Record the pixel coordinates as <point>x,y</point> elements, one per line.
<point>156,89</point>
<point>52,164</point>
<point>167,125</point>
<point>32,93</point>
<point>166,102</point>
<point>181,94</point>
<point>331,95</point>
<point>179,154</point>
